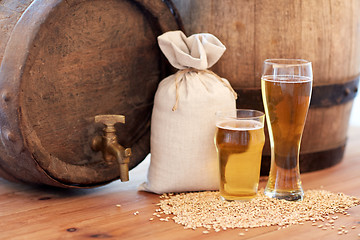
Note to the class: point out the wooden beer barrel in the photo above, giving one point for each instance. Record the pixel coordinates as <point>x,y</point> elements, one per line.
<point>326,33</point>
<point>62,63</point>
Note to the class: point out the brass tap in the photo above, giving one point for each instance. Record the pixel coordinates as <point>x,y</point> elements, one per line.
<point>109,146</point>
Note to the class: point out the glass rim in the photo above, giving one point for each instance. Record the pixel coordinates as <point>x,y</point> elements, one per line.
<point>227,114</point>
<point>287,61</point>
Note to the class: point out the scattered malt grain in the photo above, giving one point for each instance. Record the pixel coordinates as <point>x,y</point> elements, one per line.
<point>206,209</point>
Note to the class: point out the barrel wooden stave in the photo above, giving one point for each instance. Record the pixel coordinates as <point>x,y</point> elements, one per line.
<point>328,128</point>
<point>325,32</point>
<point>10,12</point>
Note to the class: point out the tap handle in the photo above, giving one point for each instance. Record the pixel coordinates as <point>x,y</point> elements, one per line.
<point>109,120</point>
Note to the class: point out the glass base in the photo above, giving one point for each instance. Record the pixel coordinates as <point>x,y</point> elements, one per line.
<point>237,198</point>
<point>289,196</point>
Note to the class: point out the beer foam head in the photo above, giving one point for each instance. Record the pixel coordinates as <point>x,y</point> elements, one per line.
<point>287,79</point>
<point>239,124</point>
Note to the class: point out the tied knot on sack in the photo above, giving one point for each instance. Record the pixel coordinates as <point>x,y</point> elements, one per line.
<point>196,53</point>
<point>182,72</point>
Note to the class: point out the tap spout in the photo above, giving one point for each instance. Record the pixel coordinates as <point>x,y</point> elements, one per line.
<point>122,156</point>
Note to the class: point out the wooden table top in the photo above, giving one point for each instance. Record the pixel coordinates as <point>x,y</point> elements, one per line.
<point>28,212</point>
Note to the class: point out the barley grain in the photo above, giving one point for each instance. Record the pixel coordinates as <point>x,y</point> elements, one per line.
<point>206,209</point>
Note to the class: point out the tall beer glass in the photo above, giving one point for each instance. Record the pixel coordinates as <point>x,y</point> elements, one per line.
<point>239,141</point>
<point>286,86</point>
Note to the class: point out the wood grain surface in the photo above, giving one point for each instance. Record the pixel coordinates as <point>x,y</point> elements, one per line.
<point>62,63</point>
<point>49,213</point>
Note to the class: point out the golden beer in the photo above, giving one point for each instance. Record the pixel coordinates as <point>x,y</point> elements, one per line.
<point>239,145</point>
<point>286,102</point>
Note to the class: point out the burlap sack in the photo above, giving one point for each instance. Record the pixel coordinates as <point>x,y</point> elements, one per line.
<point>183,154</point>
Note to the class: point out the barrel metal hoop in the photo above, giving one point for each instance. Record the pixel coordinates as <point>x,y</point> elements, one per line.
<point>323,96</point>
<point>176,14</point>
<point>310,162</point>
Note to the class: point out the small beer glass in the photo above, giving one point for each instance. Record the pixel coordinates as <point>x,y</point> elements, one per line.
<point>286,86</point>
<point>239,141</point>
